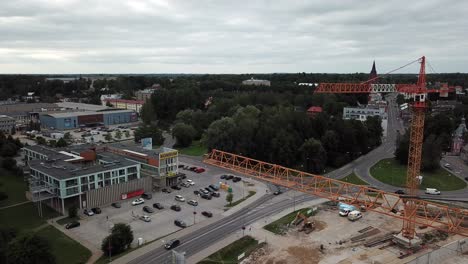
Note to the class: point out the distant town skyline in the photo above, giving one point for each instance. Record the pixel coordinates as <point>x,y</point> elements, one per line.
<point>158,36</point>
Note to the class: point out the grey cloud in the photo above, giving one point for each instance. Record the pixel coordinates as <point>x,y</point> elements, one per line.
<point>230,36</point>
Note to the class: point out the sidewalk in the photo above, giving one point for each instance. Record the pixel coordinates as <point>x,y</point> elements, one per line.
<point>13,205</point>
<point>96,253</point>
<point>255,230</point>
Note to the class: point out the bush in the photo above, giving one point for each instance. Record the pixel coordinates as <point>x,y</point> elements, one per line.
<point>72,211</point>
<point>3,196</point>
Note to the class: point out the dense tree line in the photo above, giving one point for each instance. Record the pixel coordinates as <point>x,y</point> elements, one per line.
<point>27,248</point>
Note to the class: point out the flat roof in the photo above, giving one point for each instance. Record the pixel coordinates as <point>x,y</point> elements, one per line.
<point>81,106</point>
<point>85,113</point>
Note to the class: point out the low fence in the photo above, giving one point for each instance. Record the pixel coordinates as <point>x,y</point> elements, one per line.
<point>437,256</point>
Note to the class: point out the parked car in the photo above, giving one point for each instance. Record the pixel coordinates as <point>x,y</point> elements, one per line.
<point>236,179</point>
<point>446,165</point>
<point>148,209</point>
<point>72,225</point>
<point>206,196</point>
<point>158,206</point>
<point>192,168</point>
<point>145,218</point>
<point>176,187</point>
<point>208,190</point>
<point>432,191</point>
<point>179,198</point>
<point>190,182</point>
<point>212,187</point>
<point>138,201</point>
<point>180,223</point>
<point>193,202</point>
<point>229,177</point>
<point>207,213</point>
<point>182,176</point>
<point>199,170</point>
<point>196,192</point>
<point>116,205</point>
<point>96,210</point>
<point>203,191</point>
<point>277,192</point>
<point>185,184</point>
<point>223,177</point>
<point>88,212</point>
<point>216,194</point>
<point>186,168</point>
<point>172,244</point>
<point>175,208</point>
<point>166,190</point>
<point>180,166</point>
<point>400,192</point>
<point>147,196</point>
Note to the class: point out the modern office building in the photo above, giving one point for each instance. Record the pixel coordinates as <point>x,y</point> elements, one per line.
<point>7,124</point>
<point>88,176</point>
<point>73,120</point>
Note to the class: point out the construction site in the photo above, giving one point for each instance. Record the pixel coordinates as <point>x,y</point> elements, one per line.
<point>361,224</point>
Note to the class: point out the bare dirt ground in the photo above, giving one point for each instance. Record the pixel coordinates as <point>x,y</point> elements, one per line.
<point>330,242</point>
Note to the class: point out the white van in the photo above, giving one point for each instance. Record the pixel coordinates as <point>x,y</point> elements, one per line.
<point>432,191</point>
<point>354,215</point>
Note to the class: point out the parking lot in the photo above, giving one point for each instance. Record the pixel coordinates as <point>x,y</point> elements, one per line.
<point>95,228</point>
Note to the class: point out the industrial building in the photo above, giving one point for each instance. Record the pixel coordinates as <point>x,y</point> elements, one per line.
<point>361,113</point>
<point>24,113</point>
<point>73,120</point>
<point>256,82</point>
<point>90,176</point>
<point>134,105</point>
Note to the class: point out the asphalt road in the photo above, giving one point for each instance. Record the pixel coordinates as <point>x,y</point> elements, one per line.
<point>208,235</point>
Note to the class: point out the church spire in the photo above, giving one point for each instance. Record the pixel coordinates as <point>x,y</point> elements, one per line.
<point>373,73</point>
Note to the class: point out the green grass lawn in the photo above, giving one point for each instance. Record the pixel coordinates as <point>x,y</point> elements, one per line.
<point>229,254</point>
<point>354,179</point>
<point>13,186</point>
<point>391,172</point>
<point>251,193</point>
<point>279,225</point>
<point>195,149</point>
<point>65,249</point>
<point>25,216</point>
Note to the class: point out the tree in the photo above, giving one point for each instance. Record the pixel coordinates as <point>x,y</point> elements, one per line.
<point>184,134</point>
<point>119,240</point>
<point>40,140</point>
<point>400,99</point>
<point>431,154</point>
<point>8,163</point>
<point>8,149</point>
<point>109,104</point>
<point>3,196</point>
<point>401,152</point>
<point>108,136</point>
<point>220,134</point>
<point>127,133</point>
<point>67,136</point>
<point>229,198</point>
<point>52,143</point>
<point>313,155</point>
<point>151,131</point>
<point>72,211</point>
<point>61,143</point>
<point>6,235</point>
<point>118,134</point>
<point>30,249</point>
<point>147,112</point>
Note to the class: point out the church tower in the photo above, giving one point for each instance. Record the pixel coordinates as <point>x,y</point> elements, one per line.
<point>373,73</point>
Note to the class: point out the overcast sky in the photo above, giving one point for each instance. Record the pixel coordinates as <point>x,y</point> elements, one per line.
<point>235,36</point>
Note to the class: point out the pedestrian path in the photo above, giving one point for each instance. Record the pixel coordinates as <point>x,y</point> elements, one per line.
<point>13,205</point>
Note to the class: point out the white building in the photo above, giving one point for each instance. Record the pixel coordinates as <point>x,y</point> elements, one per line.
<point>105,97</point>
<point>256,82</point>
<point>361,113</point>
<point>7,124</point>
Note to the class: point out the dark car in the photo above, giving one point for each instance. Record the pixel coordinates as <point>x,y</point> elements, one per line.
<point>229,177</point>
<point>208,190</point>
<point>166,190</point>
<point>207,213</point>
<point>199,170</point>
<point>180,166</point>
<point>192,168</point>
<point>466,178</point>
<point>400,192</point>
<point>278,192</point>
<point>206,196</point>
<point>236,179</point>
<point>216,194</point>
<point>175,208</point>
<point>158,206</point>
<point>176,187</point>
<point>183,176</point>
<point>147,196</point>
<point>373,189</point>
<point>172,244</point>
<point>116,205</point>
<point>223,176</point>
<point>96,210</point>
<point>72,225</point>
<point>148,209</point>
<point>214,188</point>
<point>180,223</point>
<point>196,192</point>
